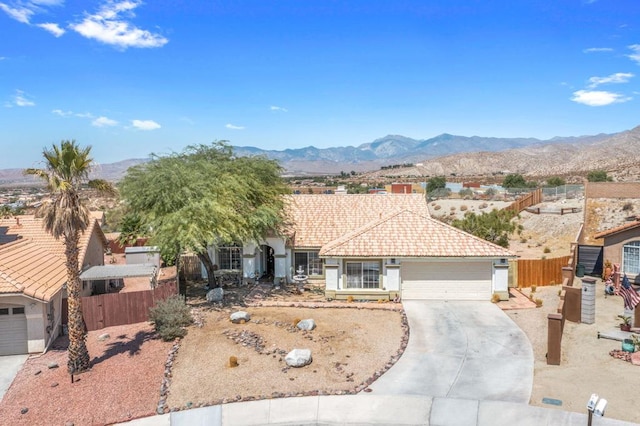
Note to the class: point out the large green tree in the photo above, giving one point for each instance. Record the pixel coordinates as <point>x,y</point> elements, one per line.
<point>514,180</point>
<point>205,196</point>
<point>66,171</point>
<point>494,227</point>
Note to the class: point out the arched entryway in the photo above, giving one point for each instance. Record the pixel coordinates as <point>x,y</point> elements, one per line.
<point>267,261</point>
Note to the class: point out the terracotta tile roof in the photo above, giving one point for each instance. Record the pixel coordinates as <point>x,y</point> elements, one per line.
<point>617,229</point>
<point>319,219</point>
<point>410,234</point>
<point>31,260</point>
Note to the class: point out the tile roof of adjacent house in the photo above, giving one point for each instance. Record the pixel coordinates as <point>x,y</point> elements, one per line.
<point>410,234</point>
<point>617,229</point>
<point>32,262</point>
<point>320,219</point>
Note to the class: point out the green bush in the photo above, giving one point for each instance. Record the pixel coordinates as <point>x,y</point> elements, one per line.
<point>170,317</point>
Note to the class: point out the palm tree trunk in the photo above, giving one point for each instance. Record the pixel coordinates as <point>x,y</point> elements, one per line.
<point>78,353</point>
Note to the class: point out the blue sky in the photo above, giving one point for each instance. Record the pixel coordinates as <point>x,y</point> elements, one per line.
<point>133,77</point>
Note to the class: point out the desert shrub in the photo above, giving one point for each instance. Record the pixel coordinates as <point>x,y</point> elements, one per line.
<point>233,361</point>
<point>483,206</point>
<point>465,193</point>
<point>627,207</point>
<point>463,208</point>
<point>523,240</point>
<point>349,299</point>
<point>452,208</point>
<point>547,250</point>
<point>437,207</point>
<point>534,288</point>
<point>538,303</point>
<point>170,316</point>
<point>495,298</point>
<point>296,321</point>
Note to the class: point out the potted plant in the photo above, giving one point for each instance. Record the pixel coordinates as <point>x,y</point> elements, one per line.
<point>625,325</point>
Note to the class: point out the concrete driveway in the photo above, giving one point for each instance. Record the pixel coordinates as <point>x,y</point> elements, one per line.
<point>9,367</point>
<point>468,350</point>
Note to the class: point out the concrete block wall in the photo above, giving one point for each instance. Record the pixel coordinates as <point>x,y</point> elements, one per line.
<point>612,189</point>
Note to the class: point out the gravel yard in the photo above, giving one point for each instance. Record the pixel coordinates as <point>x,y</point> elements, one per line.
<point>348,347</point>
<point>123,383</point>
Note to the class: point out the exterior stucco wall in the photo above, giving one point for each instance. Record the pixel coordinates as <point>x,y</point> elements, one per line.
<point>94,255</point>
<point>612,189</point>
<point>614,244</point>
<point>35,311</point>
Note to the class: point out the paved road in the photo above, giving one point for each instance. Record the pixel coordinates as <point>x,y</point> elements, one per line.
<point>469,350</point>
<point>9,367</point>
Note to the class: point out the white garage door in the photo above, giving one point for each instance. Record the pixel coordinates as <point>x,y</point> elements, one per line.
<point>13,330</point>
<point>446,280</point>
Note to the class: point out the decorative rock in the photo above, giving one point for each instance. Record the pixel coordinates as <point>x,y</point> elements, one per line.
<point>24,410</point>
<point>635,358</point>
<point>307,324</point>
<point>298,358</point>
<point>103,337</point>
<point>52,365</point>
<point>54,384</point>
<point>215,295</point>
<point>68,424</point>
<point>37,372</point>
<point>240,317</point>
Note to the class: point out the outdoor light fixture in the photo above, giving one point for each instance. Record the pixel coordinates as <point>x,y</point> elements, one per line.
<point>596,405</point>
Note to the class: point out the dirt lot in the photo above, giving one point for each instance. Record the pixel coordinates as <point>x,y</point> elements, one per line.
<point>348,347</point>
<point>586,365</point>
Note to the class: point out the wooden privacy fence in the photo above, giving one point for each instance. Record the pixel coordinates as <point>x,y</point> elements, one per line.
<point>528,200</point>
<point>541,272</point>
<point>190,267</point>
<point>111,309</point>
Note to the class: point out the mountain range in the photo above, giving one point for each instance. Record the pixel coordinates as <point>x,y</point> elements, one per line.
<point>445,154</point>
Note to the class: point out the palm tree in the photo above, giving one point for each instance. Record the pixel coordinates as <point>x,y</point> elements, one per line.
<point>66,170</point>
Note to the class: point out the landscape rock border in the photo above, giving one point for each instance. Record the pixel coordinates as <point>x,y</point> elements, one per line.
<point>363,386</point>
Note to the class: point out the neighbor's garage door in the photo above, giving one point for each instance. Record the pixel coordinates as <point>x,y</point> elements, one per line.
<point>13,330</point>
<point>446,280</point>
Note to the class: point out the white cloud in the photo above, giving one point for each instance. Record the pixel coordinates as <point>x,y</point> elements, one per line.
<point>145,124</point>
<point>84,115</point>
<point>109,27</point>
<point>619,77</point>
<point>277,108</point>
<point>62,113</point>
<point>232,127</point>
<point>52,28</point>
<point>19,13</point>
<point>598,98</point>
<point>23,10</point>
<point>20,99</point>
<point>103,122</point>
<point>598,49</point>
<point>635,56</point>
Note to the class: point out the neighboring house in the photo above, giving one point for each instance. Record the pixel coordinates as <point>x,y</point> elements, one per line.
<point>374,246</point>
<point>32,282</point>
<point>622,246</point>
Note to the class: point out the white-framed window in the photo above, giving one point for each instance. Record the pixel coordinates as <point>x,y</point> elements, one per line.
<point>309,262</point>
<point>363,274</point>
<point>631,258</point>
<point>230,257</point>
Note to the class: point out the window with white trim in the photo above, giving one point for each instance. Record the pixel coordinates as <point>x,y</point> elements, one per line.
<point>230,257</point>
<point>309,262</point>
<point>363,275</point>
<point>631,258</point>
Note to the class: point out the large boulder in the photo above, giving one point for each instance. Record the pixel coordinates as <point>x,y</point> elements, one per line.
<point>306,324</point>
<point>240,317</point>
<point>215,295</point>
<point>298,358</point>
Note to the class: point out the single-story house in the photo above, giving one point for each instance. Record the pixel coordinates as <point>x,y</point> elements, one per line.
<point>622,246</point>
<point>33,279</point>
<point>32,282</point>
<point>373,246</point>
